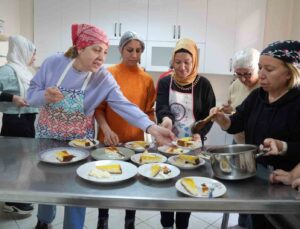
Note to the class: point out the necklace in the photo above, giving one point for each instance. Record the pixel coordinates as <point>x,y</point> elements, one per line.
<point>187,88</point>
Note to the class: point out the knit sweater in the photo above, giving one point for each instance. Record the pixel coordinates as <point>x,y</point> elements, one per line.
<point>138,87</point>
<point>280,120</point>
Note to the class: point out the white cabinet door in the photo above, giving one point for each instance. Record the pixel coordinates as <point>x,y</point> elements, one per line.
<point>191,21</point>
<point>73,11</point>
<point>133,16</point>
<point>105,14</point>
<point>220,38</point>
<point>162,18</point>
<point>47,30</point>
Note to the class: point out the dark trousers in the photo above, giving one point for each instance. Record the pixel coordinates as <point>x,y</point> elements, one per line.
<point>103,214</point>
<point>182,219</point>
<point>259,221</point>
<point>15,125</point>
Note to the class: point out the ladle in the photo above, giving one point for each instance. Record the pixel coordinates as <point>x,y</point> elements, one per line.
<point>197,126</point>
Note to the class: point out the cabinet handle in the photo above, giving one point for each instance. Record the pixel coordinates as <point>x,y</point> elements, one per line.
<point>179,31</point>
<point>230,65</point>
<point>120,29</point>
<point>115,31</point>
<point>174,32</point>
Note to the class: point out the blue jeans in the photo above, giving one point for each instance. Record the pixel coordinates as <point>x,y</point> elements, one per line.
<point>73,218</point>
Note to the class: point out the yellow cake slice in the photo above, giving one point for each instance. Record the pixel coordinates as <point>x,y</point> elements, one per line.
<point>64,156</point>
<point>185,142</point>
<point>189,159</point>
<point>139,145</point>
<point>190,186</point>
<point>113,168</point>
<point>149,158</point>
<point>81,142</point>
<point>155,169</point>
<point>174,150</point>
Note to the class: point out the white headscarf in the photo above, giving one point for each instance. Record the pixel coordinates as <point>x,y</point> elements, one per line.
<point>20,52</point>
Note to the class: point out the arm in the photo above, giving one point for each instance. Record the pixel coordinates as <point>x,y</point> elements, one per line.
<point>162,101</point>
<point>149,109</point>
<point>287,178</point>
<point>110,137</point>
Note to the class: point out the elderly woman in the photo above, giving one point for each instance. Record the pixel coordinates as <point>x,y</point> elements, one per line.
<point>271,111</point>
<point>18,117</point>
<point>113,129</point>
<point>183,97</point>
<point>69,88</point>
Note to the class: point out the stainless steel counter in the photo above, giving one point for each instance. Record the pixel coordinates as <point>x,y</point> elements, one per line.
<point>24,178</point>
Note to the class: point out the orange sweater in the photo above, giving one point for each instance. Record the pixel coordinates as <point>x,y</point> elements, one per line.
<point>138,87</point>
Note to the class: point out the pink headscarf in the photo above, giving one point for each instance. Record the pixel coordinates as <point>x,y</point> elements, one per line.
<point>84,35</point>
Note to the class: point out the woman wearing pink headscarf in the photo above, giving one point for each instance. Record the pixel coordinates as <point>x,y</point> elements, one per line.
<point>69,88</point>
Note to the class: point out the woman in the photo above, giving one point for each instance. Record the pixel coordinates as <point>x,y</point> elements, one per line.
<point>18,117</point>
<point>271,111</point>
<point>113,129</point>
<point>68,88</point>
<point>183,98</point>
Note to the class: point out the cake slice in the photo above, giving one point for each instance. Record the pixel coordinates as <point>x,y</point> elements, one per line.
<point>149,158</point>
<point>81,142</point>
<point>174,150</point>
<point>113,168</point>
<point>190,186</point>
<point>189,159</point>
<point>99,173</point>
<point>64,156</point>
<point>185,142</point>
<point>114,151</point>
<point>155,169</point>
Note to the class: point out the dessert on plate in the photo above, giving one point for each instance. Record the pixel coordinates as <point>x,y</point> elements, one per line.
<point>190,185</point>
<point>185,142</point>
<point>64,156</point>
<point>149,158</point>
<point>188,159</point>
<point>82,142</point>
<point>112,169</point>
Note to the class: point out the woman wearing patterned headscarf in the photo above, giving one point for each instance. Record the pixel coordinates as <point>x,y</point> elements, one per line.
<point>69,88</point>
<point>18,118</point>
<point>183,97</point>
<point>270,115</point>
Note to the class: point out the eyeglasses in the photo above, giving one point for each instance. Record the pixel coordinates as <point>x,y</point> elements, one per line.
<point>245,75</point>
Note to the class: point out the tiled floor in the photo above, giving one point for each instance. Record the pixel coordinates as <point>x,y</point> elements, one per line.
<point>144,220</point>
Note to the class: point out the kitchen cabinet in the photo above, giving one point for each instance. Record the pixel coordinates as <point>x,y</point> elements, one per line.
<point>232,25</point>
<point>170,20</point>
<point>116,17</point>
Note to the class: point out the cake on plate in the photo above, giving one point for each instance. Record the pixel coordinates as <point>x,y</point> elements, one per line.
<point>112,169</point>
<point>194,160</point>
<point>64,156</point>
<point>190,185</point>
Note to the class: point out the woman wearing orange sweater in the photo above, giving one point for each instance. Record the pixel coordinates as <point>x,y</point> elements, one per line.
<point>138,87</point>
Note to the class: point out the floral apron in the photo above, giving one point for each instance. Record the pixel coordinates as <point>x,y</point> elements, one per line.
<point>65,120</point>
<point>182,107</point>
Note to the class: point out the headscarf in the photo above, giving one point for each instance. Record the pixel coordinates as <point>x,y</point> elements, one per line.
<point>288,51</point>
<point>190,46</point>
<point>129,36</point>
<point>20,52</point>
<point>84,35</point>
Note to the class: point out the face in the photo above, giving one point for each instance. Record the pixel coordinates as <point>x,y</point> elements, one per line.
<point>92,57</point>
<point>131,53</point>
<point>183,64</point>
<point>33,58</point>
<point>273,74</point>
<point>247,76</point>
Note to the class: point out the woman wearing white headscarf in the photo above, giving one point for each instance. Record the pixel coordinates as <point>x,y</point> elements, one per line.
<point>18,117</point>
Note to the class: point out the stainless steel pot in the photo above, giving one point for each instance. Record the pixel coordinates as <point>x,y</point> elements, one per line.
<point>234,162</point>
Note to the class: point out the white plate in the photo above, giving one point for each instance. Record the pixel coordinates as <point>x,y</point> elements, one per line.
<point>196,145</point>
<point>84,147</point>
<point>128,170</point>
<point>145,170</point>
<point>165,149</point>
<point>135,146</point>
<point>100,154</point>
<point>136,158</point>
<point>174,161</point>
<point>49,155</point>
<point>219,188</point>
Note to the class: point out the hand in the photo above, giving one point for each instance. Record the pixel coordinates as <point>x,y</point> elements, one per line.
<point>275,146</point>
<point>227,108</point>
<point>110,138</point>
<point>296,184</point>
<point>53,95</point>
<point>281,176</point>
<point>220,118</point>
<point>19,101</point>
<point>162,135</point>
<point>167,123</point>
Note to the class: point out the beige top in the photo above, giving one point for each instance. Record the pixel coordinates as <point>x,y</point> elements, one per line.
<point>237,93</point>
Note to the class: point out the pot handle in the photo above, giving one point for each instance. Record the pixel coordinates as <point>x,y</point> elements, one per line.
<point>262,152</point>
